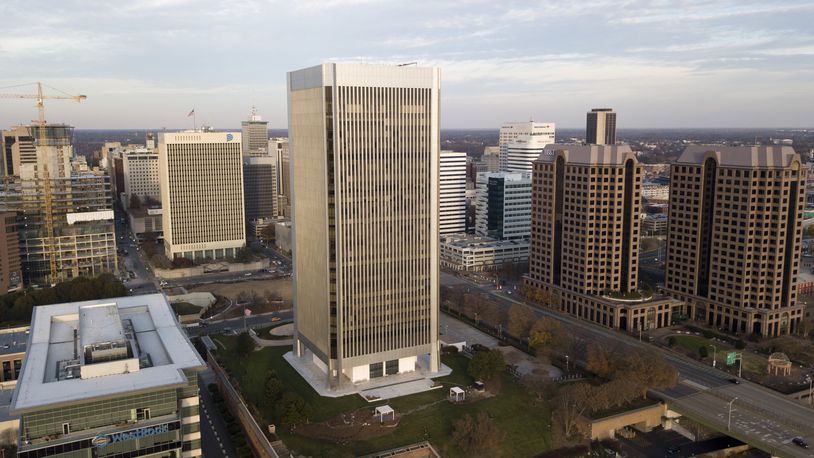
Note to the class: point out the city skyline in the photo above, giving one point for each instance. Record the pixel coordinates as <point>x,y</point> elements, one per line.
<point>744,62</point>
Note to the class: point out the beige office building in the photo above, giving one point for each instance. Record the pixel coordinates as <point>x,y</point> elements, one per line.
<point>201,176</point>
<point>586,203</point>
<point>255,135</point>
<point>600,127</point>
<point>735,229</point>
<point>278,147</point>
<point>365,177</point>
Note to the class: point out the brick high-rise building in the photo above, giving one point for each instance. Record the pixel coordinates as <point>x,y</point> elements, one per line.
<point>735,228</point>
<point>585,235</point>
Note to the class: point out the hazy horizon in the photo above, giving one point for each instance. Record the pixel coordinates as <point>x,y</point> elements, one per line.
<point>683,64</point>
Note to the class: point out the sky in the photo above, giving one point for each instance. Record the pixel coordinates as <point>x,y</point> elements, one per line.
<point>659,63</point>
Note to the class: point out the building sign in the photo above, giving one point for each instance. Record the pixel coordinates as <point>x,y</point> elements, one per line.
<point>229,137</point>
<point>105,439</point>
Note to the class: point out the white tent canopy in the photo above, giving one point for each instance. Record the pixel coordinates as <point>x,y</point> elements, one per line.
<point>384,411</point>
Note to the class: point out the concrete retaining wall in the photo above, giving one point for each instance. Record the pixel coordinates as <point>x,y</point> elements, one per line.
<point>642,419</point>
<point>168,274</point>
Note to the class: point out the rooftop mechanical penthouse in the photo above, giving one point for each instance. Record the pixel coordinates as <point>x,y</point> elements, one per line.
<point>108,378</point>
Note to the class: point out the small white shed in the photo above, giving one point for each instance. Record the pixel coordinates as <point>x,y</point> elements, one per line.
<point>456,394</point>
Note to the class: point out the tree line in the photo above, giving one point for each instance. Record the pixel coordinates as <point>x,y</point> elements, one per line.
<point>19,305</point>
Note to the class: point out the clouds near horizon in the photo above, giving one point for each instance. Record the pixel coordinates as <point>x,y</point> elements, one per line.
<point>659,63</point>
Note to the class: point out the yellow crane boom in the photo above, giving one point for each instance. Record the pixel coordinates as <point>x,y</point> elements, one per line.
<point>46,177</point>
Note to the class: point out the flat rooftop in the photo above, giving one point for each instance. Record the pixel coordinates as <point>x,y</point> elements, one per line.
<point>136,343</point>
<point>13,340</point>
<point>475,241</point>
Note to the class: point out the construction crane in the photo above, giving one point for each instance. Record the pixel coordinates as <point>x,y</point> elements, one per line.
<point>46,177</point>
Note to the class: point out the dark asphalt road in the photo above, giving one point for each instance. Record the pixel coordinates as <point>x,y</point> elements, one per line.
<point>215,439</point>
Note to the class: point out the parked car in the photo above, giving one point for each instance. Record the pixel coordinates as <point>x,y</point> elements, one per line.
<point>800,442</point>
<point>735,381</point>
<point>276,318</point>
<point>476,347</point>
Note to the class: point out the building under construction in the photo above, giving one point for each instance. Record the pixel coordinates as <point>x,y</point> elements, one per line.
<point>64,210</point>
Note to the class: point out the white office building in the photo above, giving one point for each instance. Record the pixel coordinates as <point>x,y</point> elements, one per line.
<point>140,166</point>
<point>503,205</point>
<point>656,191</point>
<point>201,175</point>
<point>512,132</point>
<point>452,201</point>
<point>524,151</point>
<point>475,253</point>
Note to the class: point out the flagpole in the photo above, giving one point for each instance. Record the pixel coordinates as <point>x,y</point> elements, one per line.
<point>194,121</point>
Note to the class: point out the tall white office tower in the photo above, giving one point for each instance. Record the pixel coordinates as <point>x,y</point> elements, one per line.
<point>255,135</point>
<point>201,176</point>
<point>364,145</point>
<point>452,201</point>
<point>524,151</point>
<point>512,132</point>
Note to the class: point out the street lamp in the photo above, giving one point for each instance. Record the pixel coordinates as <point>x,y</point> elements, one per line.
<point>809,380</point>
<point>729,421</point>
<point>566,364</point>
<point>714,354</point>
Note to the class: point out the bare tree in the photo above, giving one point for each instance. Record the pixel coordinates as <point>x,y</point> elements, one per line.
<point>478,436</point>
<point>571,403</point>
<point>521,318</point>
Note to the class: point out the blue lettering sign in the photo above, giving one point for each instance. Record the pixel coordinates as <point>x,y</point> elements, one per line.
<point>105,439</point>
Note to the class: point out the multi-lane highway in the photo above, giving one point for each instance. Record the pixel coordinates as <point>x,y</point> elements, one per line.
<point>761,417</point>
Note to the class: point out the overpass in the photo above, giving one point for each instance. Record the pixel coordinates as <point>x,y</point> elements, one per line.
<point>761,417</point>
<point>768,429</point>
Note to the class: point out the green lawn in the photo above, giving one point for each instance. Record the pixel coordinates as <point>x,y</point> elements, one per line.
<point>514,410</point>
<point>692,343</point>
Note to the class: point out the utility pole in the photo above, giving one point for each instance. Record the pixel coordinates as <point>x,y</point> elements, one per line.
<point>729,420</point>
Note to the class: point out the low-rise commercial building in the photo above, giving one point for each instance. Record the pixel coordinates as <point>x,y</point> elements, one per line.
<point>473,253</point>
<point>146,220</point>
<point>655,192</point>
<point>108,378</point>
<point>12,352</point>
<point>655,224</point>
